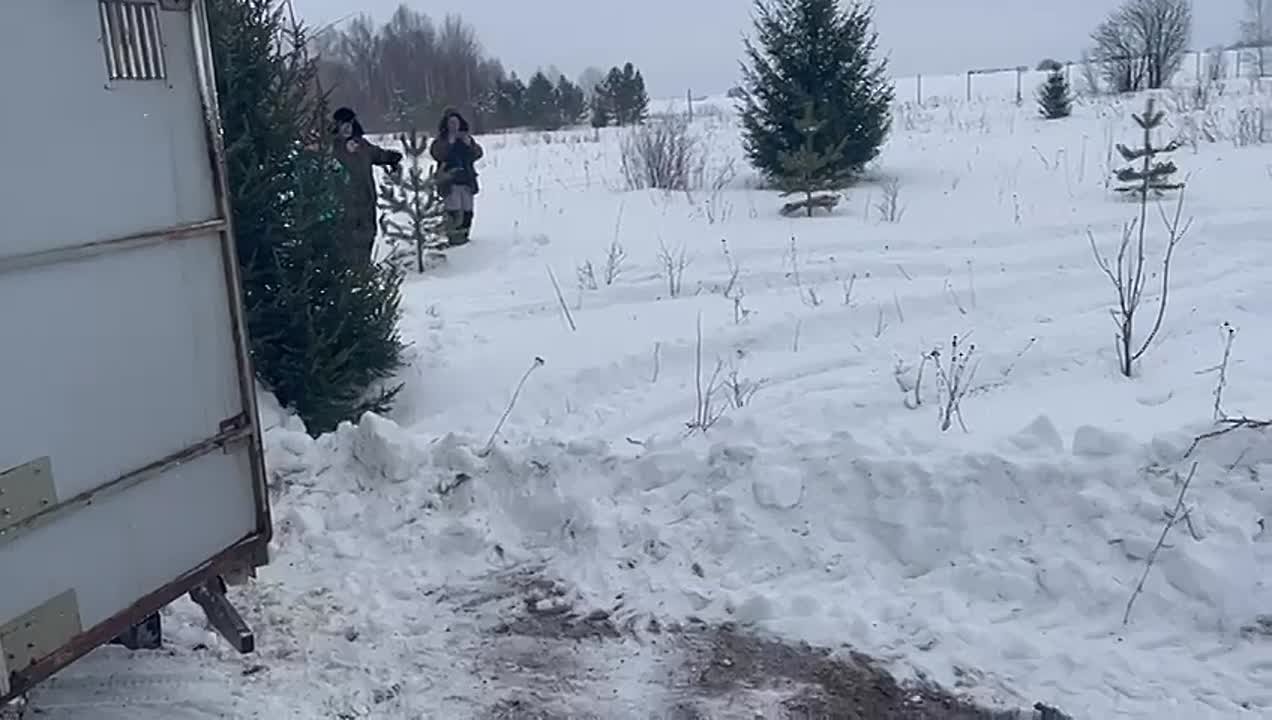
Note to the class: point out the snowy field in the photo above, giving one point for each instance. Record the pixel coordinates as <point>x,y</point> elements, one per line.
<point>413,571</point>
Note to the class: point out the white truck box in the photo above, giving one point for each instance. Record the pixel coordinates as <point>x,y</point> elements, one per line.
<point>131,470</point>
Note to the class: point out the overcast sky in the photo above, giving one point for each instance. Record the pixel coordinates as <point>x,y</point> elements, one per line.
<point>696,44</point>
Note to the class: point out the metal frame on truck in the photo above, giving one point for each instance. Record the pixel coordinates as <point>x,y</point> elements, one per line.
<point>56,629</point>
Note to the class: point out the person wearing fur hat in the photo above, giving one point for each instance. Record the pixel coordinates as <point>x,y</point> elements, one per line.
<point>456,153</point>
<point>359,156</point>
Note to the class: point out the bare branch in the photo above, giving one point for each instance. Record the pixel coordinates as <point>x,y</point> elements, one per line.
<point>1173,517</point>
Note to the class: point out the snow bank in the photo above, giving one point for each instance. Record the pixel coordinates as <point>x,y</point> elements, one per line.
<point>1006,573</point>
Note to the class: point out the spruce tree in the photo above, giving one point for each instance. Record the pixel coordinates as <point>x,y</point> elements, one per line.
<point>540,103</point>
<point>1054,99</point>
<point>414,219</point>
<point>323,329</point>
<point>1145,173</point>
<point>571,103</point>
<point>603,101</point>
<point>812,169</point>
<point>600,110</point>
<point>633,101</point>
<point>812,50</point>
<point>612,92</point>
<point>510,102</point>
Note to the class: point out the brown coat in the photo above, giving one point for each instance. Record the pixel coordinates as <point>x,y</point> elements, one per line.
<point>456,162</point>
<point>360,188</point>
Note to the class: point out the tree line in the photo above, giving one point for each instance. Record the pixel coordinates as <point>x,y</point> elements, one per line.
<point>617,98</point>
<point>406,71</point>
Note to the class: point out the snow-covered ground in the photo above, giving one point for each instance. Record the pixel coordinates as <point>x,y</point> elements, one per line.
<point>830,507</point>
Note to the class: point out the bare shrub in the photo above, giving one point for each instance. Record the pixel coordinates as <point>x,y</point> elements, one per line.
<point>735,270</point>
<point>1250,127</point>
<point>889,206</point>
<point>1179,514</point>
<point>808,296</point>
<point>489,447</point>
<point>740,389</point>
<point>615,256</point>
<point>1226,423</point>
<point>732,289</point>
<point>707,409</point>
<point>586,275</point>
<point>955,372</point>
<point>673,264</point>
<point>661,155</point>
<point>1129,276</point>
<point>1230,334</point>
<point>715,207</point>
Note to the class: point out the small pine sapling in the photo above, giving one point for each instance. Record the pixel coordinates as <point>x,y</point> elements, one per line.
<point>412,192</point>
<point>814,170</point>
<point>1148,174</point>
<point>1055,100</point>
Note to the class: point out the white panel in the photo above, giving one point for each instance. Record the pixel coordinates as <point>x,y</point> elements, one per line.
<point>85,158</point>
<point>111,363</point>
<point>131,543</point>
<point>114,362</point>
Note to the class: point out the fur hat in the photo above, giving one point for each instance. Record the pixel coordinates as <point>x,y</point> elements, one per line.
<point>346,115</point>
<point>446,116</point>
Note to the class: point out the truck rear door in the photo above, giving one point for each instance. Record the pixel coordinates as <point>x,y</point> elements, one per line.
<point>130,460</point>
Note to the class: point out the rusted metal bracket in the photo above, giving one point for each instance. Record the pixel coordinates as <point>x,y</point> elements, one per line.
<point>145,635</point>
<point>222,615</point>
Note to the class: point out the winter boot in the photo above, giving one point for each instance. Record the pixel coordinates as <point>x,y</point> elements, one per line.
<point>455,231</point>
<point>467,224</point>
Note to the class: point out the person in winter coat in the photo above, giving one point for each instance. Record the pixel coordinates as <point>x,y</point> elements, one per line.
<point>456,153</point>
<point>359,156</point>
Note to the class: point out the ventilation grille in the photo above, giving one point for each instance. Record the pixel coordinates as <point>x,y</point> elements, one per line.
<point>130,35</point>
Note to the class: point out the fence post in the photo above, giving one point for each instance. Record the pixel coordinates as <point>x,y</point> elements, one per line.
<point>1020,72</point>
<point>1199,57</point>
<point>918,89</point>
<point>969,86</point>
<point>689,103</point>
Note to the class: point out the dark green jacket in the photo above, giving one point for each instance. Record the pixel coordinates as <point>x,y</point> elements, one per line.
<point>360,186</point>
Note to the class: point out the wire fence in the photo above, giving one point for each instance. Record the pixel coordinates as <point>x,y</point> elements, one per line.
<point>1018,83</point>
